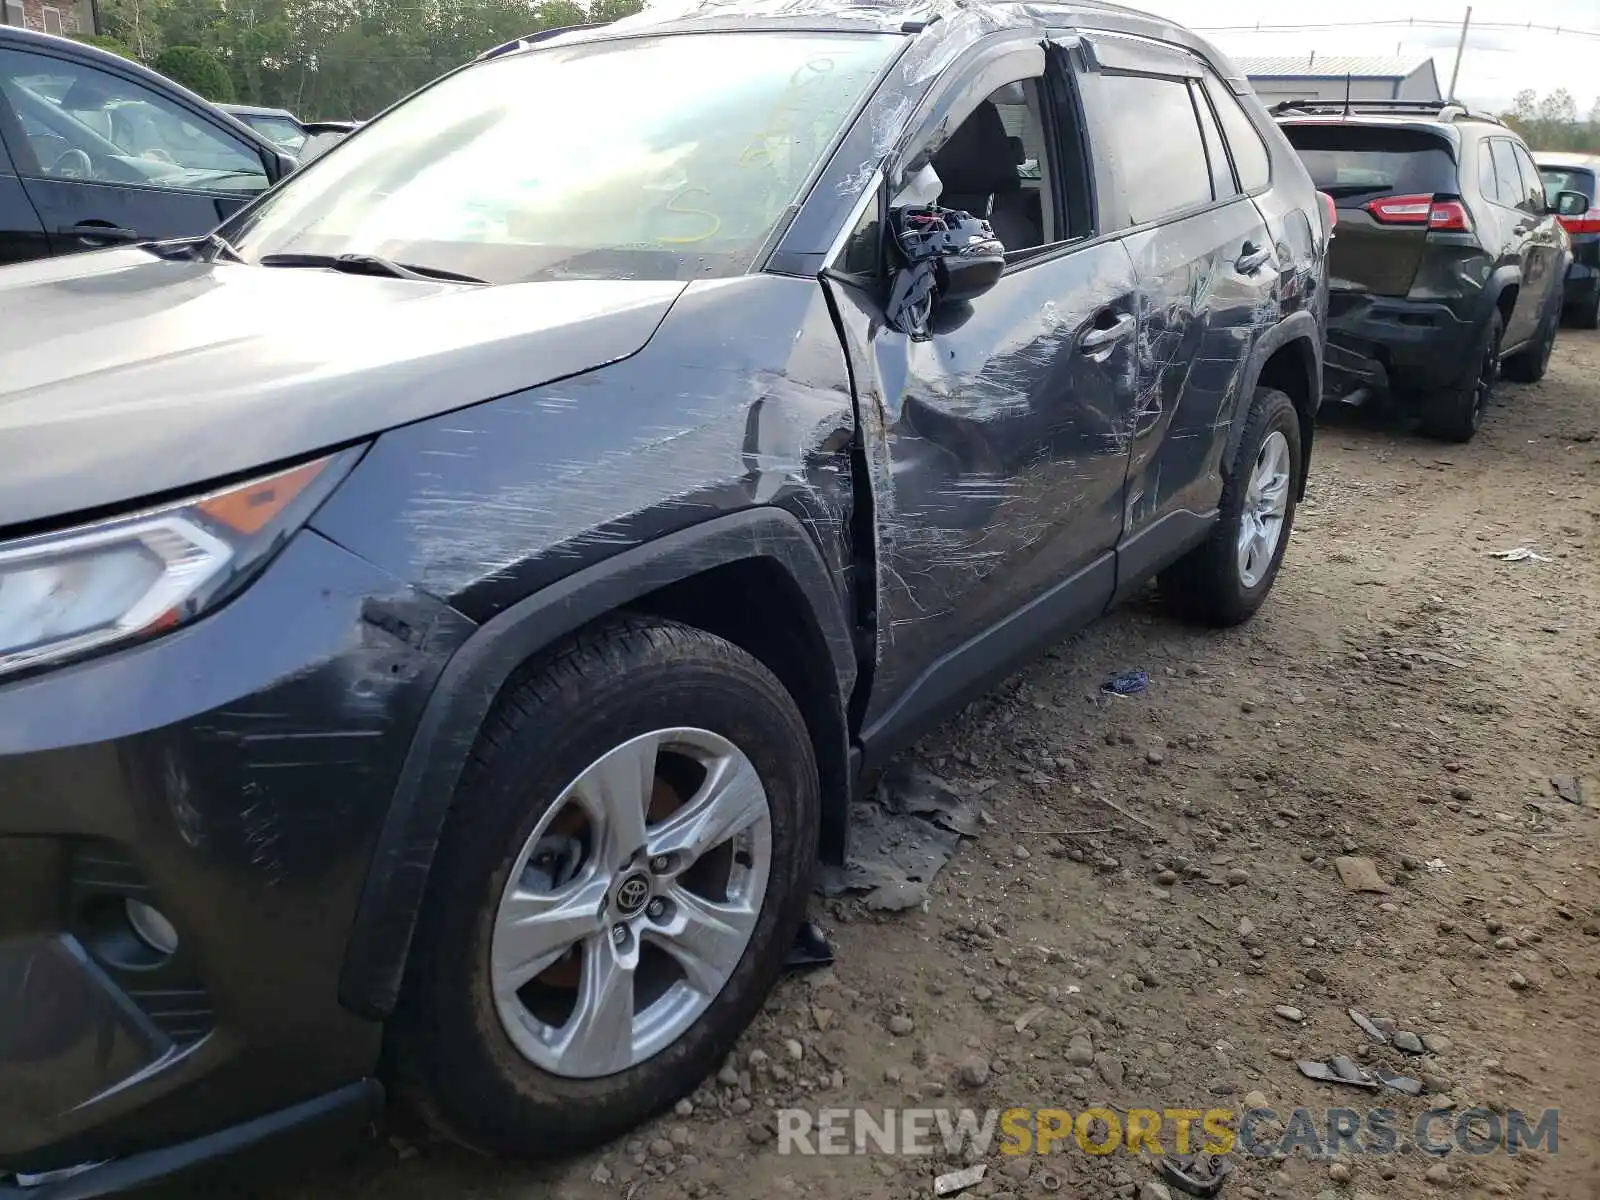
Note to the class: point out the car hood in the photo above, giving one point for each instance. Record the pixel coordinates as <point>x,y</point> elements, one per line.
<point>124,376</point>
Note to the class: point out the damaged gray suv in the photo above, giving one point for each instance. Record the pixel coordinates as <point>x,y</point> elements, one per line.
<point>446,614</point>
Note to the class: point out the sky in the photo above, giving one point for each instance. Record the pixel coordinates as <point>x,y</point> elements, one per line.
<point>1503,54</point>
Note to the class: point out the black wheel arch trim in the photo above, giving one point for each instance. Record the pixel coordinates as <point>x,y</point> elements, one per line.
<point>380,938</point>
<point>1299,326</point>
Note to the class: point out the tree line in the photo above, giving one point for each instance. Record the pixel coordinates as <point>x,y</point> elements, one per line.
<point>325,59</point>
<point>1552,123</point>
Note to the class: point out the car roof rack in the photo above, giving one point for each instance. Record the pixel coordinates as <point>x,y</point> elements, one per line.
<point>1438,110</point>
<point>533,39</point>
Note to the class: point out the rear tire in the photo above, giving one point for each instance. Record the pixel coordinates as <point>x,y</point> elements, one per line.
<point>511,1036</point>
<point>1456,415</point>
<point>1223,581</point>
<point>1530,364</point>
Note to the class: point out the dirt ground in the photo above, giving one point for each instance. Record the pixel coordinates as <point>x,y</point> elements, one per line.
<point>1404,697</point>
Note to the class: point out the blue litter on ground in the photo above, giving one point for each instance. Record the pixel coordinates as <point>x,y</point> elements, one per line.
<point>1129,683</point>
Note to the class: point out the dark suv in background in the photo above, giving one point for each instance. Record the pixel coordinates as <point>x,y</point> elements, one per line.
<point>1570,189</point>
<point>453,606</point>
<point>1448,263</point>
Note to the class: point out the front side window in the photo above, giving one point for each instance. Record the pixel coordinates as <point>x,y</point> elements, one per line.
<point>80,122</point>
<point>1163,158</point>
<point>665,157</point>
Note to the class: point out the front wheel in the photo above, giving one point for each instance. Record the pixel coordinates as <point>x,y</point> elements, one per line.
<point>625,866</point>
<point>1226,579</point>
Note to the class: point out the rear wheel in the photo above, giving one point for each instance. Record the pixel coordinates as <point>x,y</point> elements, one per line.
<point>1226,579</point>
<point>1529,364</point>
<point>626,864</point>
<point>1456,415</point>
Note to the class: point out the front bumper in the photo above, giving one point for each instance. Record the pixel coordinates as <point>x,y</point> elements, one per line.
<point>1387,342</point>
<point>234,776</point>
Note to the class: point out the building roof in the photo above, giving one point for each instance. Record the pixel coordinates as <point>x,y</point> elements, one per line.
<point>1332,66</point>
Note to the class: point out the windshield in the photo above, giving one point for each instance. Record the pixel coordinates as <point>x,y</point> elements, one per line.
<point>669,157</point>
<point>281,131</point>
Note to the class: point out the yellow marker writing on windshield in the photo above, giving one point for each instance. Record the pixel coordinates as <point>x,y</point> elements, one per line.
<point>674,206</point>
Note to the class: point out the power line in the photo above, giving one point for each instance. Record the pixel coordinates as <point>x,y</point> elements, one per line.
<point>1408,23</point>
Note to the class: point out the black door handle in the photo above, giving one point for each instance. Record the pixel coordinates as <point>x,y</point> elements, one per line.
<point>97,232</point>
<point>1250,259</point>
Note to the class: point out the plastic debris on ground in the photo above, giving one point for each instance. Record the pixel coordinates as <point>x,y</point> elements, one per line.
<point>1128,683</point>
<point>1196,1174</point>
<point>1399,1083</point>
<point>902,837</point>
<point>1338,1069</point>
<point>1568,787</point>
<point>810,949</point>
<point>1519,554</point>
<point>1368,1028</point>
<point>954,1181</point>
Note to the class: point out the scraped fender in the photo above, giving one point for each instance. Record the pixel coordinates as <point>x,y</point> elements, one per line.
<point>1298,326</point>
<point>380,939</point>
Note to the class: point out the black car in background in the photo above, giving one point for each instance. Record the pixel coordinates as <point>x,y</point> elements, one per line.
<point>1448,263</point>
<point>96,150</point>
<point>448,614</point>
<point>1570,189</point>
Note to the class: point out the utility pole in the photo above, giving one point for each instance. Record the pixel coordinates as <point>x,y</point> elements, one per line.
<point>1461,46</point>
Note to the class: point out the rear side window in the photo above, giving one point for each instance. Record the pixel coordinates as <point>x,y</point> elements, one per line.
<point>1158,143</point>
<point>1347,160</point>
<point>1532,186</point>
<point>1221,173</point>
<point>1250,157</point>
<point>1505,166</point>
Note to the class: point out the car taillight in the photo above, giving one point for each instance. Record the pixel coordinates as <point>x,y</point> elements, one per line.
<point>1444,215</point>
<point>1588,223</point>
<point>1330,210</point>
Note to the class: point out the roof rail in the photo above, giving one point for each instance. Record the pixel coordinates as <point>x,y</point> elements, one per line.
<point>542,35</point>
<point>1438,109</point>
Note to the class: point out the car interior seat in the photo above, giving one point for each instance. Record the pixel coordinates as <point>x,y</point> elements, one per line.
<point>978,167</point>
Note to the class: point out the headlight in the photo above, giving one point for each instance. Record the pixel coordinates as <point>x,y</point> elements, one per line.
<point>62,594</point>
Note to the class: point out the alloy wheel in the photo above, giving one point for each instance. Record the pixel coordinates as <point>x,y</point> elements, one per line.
<point>631,903</point>
<point>1266,504</point>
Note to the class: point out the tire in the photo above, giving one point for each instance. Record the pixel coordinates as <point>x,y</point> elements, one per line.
<point>450,1045</point>
<point>1212,583</point>
<point>1585,314</point>
<point>1456,415</point>
<point>1530,364</point>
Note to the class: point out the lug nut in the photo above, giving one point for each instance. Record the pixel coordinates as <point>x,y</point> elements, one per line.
<point>656,909</point>
<point>660,863</point>
<point>619,934</point>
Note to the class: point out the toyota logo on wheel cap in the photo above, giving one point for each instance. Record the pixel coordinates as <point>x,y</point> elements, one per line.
<point>632,892</point>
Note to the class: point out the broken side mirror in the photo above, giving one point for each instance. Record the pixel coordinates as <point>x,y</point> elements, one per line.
<point>1571,204</point>
<point>947,257</point>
